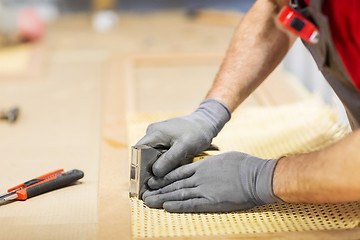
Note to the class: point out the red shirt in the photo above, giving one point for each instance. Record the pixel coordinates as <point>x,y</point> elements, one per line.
<point>344,20</point>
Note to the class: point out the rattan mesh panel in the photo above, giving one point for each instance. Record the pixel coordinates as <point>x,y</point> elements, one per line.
<point>265,132</point>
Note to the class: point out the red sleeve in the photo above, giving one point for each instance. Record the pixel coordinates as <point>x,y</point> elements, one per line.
<point>344,23</point>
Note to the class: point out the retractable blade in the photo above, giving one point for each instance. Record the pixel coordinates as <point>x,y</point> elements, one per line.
<point>7,197</point>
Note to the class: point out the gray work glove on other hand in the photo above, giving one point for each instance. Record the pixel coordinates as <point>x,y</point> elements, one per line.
<point>187,135</point>
<point>226,182</point>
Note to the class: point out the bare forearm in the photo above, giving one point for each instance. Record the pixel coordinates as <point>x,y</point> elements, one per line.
<point>327,176</point>
<point>257,47</point>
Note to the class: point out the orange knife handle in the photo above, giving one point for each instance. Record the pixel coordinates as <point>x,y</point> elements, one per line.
<point>52,183</point>
<point>36,180</point>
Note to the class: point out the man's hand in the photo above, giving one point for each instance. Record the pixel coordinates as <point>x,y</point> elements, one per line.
<point>226,182</point>
<point>186,135</point>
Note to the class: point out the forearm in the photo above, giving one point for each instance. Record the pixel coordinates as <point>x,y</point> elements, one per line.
<point>327,176</point>
<point>259,44</point>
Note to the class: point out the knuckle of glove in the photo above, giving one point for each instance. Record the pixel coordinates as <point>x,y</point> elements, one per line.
<point>159,170</point>
<point>197,141</point>
<point>156,126</point>
<point>178,154</point>
<point>151,127</point>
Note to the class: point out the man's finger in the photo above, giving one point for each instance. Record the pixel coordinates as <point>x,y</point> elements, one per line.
<point>182,172</point>
<point>156,201</point>
<point>169,160</point>
<point>154,139</point>
<point>187,206</point>
<point>184,183</point>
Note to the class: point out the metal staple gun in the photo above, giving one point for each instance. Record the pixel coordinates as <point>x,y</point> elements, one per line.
<point>142,159</point>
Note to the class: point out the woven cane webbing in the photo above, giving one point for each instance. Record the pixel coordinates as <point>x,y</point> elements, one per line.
<point>265,132</point>
<point>148,222</point>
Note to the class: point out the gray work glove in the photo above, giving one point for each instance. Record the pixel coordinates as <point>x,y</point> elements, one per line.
<point>226,182</point>
<point>187,135</point>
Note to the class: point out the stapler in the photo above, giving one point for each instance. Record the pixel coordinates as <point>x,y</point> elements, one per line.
<point>142,159</point>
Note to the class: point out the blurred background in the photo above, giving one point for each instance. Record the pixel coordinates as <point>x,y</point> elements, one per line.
<point>139,26</point>
<point>67,6</point>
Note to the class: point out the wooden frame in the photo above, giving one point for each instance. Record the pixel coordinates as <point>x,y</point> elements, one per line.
<point>114,205</point>
<point>114,218</point>
<point>275,90</point>
<point>158,60</point>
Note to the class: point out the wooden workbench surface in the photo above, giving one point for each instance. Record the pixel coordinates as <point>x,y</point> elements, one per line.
<point>74,116</point>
